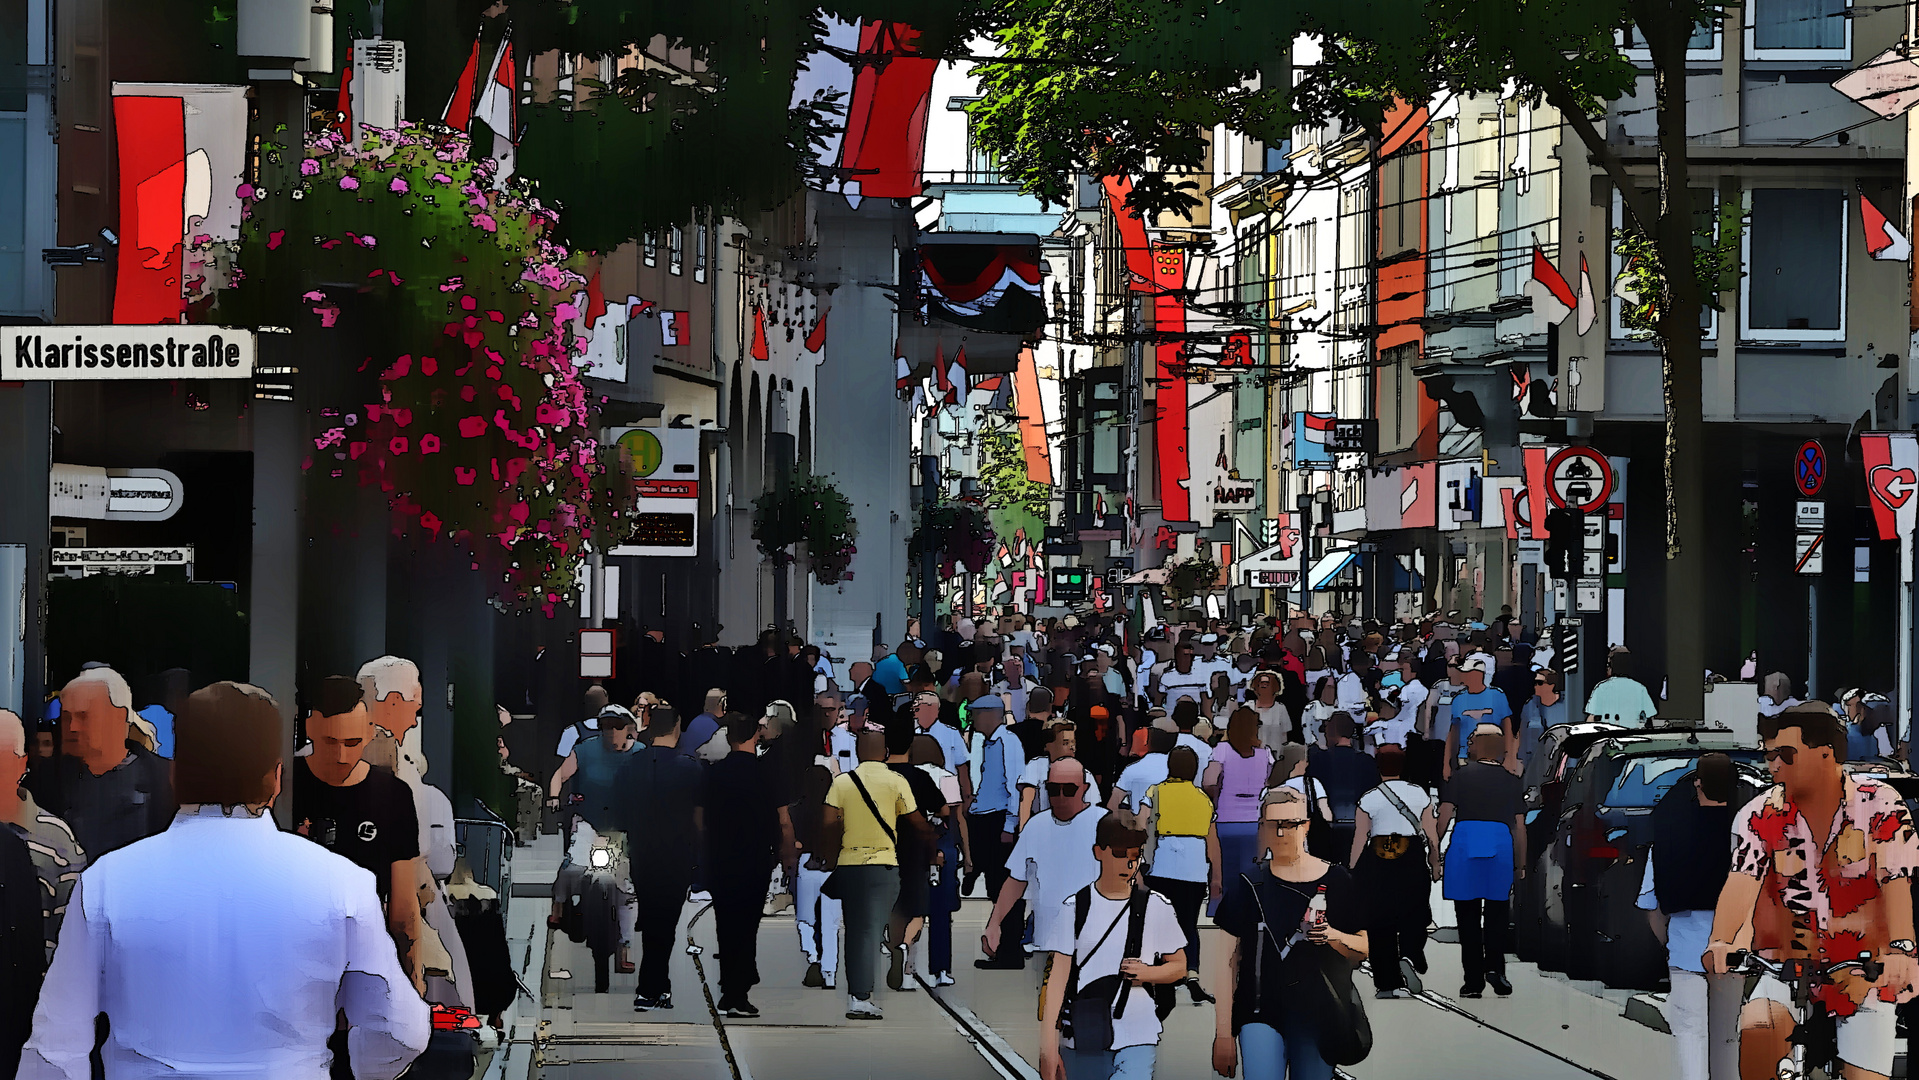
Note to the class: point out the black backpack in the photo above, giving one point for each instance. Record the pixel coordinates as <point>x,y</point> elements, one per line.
<point>1086,1015</point>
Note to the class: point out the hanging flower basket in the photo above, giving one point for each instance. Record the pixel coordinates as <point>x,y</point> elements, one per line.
<point>811,512</point>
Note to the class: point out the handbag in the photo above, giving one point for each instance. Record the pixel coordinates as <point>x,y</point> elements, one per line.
<point>1086,1016</point>
<point>1345,1033</point>
<point>1392,846</point>
<point>834,887</point>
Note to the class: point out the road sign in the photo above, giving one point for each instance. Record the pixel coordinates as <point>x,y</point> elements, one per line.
<point>1354,437</point>
<point>597,649</point>
<point>1809,553</point>
<point>1589,595</point>
<point>1566,648</point>
<point>1809,468</point>
<point>1579,478</point>
<point>120,560</point>
<point>1809,516</point>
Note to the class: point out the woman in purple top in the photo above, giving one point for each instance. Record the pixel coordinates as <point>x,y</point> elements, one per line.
<point>1234,779</point>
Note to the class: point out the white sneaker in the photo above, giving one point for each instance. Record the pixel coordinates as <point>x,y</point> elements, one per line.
<point>944,978</point>
<point>831,982</point>
<point>862,1010</point>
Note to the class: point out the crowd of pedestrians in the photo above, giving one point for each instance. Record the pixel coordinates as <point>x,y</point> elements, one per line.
<point>1302,784</point>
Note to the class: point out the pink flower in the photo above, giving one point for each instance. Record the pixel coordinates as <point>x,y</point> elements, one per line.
<point>472,427</point>
<point>430,522</point>
<point>429,444</point>
<point>275,238</point>
<point>244,191</point>
<point>440,178</point>
<point>397,187</point>
<point>397,445</point>
<point>309,167</point>
<point>452,284</point>
<point>313,296</point>
<point>348,183</point>
<point>484,221</point>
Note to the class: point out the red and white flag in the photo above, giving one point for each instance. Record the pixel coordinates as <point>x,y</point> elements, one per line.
<point>1552,297</point>
<point>955,381</point>
<point>1883,242</point>
<point>1588,308</point>
<point>674,329</point>
<point>903,376</point>
<point>1891,460</point>
<point>182,172</point>
<point>459,107</point>
<point>500,107</point>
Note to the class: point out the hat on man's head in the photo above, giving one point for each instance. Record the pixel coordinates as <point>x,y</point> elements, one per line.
<point>989,703</point>
<point>1475,662</point>
<point>1209,639</point>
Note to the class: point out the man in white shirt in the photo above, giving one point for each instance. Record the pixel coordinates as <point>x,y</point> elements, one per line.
<point>1062,741</point>
<point>845,735</point>
<point>596,700</point>
<point>1186,680</point>
<point>1130,789</point>
<point>1620,699</point>
<point>1053,858</point>
<point>166,938</point>
<point>956,758</point>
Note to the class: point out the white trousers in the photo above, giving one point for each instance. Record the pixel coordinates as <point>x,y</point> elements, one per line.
<point>1703,1012</point>
<point>818,917</point>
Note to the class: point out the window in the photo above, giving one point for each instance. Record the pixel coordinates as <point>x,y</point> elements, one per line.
<point>700,233</point>
<point>1355,262</point>
<point>1399,399</point>
<point>650,248</point>
<point>676,250</point>
<point>1400,196</point>
<point>1703,45</point>
<point>1302,261</point>
<point>1705,216</point>
<point>1795,252</point>
<point>1798,30</point>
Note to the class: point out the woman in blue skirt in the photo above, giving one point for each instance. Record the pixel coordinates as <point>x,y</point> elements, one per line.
<point>1484,804</point>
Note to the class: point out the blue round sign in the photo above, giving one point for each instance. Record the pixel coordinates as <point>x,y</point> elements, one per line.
<point>1809,468</point>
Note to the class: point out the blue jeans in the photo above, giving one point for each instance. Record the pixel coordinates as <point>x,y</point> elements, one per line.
<point>944,900</point>
<point>1289,1052</point>
<point>1131,1063</point>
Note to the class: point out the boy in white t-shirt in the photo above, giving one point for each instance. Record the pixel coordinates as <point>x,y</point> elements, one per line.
<point>1134,937</point>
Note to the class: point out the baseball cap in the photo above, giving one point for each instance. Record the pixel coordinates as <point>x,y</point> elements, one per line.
<point>1209,639</point>
<point>1475,662</point>
<point>1107,648</point>
<point>989,703</point>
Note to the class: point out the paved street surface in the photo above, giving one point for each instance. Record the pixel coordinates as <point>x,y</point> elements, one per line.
<point>986,1026</point>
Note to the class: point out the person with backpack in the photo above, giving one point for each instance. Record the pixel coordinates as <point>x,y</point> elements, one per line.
<point>1287,1010</point>
<point>1185,855</point>
<point>1117,952</point>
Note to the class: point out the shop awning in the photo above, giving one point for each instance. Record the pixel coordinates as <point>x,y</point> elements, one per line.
<point>1328,567</point>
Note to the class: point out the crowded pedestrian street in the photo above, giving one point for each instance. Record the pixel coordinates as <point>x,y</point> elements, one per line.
<point>1022,539</point>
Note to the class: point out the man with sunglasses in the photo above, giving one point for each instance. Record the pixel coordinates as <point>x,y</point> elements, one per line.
<point>1052,860</point>
<point>1816,863</point>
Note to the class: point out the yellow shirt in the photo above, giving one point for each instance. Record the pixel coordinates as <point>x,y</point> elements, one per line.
<point>865,843</point>
<point>1184,810</point>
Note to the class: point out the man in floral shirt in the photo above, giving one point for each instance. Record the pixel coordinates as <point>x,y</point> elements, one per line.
<point>1819,892</point>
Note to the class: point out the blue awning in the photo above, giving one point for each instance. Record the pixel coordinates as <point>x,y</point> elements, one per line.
<point>1329,567</point>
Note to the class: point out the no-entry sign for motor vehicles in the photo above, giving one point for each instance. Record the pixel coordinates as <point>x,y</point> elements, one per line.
<point>1579,478</point>
<point>1809,468</point>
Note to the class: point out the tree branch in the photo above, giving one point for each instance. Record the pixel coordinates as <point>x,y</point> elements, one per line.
<point>1643,216</point>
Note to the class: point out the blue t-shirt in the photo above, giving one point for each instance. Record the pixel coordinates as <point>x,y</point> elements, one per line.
<point>1489,706</point>
<point>891,673</point>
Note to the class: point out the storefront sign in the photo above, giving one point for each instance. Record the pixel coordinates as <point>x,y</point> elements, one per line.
<point>125,353</point>
<point>666,488</point>
<point>90,492</point>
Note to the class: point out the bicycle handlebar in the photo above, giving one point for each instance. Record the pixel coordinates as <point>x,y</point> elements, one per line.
<point>1742,961</point>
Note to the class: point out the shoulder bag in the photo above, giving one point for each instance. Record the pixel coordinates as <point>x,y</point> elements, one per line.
<point>834,888</point>
<point>1345,1034</point>
<point>1391,846</point>
<point>1086,1015</point>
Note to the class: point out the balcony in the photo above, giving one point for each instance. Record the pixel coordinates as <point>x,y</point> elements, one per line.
<point>967,206</point>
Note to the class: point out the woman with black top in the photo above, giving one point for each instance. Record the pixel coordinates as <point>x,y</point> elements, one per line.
<point>1486,853</point>
<point>1097,713</point>
<point>1285,917</point>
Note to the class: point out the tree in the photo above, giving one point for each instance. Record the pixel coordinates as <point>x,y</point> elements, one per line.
<point>1014,501</point>
<point>1132,87</point>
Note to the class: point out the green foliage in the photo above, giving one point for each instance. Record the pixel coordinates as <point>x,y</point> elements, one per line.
<point>1189,579</point>
<point>958,532</point>
<point>812,512</point>
<point>1013,500</point>
<point>1716,261</point>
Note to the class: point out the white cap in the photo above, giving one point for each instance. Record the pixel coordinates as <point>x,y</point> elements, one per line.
<point>1475,662</point>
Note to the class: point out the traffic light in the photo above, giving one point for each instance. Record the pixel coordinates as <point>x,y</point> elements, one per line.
<point>1565,541</point>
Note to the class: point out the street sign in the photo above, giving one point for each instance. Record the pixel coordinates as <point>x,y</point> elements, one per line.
<point>1271,579</point>
<point>88,491</point>
<point>1809,553</point>
<point>1579,478</point>
<point>124,353</point>
<point>1809,468</point>
<point>1566,648</point>
<point>1592,563</point>
<point>1809,515</point>
<point>1589,595</point>
<point>1891,460</point>
<point>597,648</point>
<point>120,560</point>
<point>1069,584</point>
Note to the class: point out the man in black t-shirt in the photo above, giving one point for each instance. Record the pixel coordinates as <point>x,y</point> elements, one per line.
<point>745,810</point>
<point>661,790</point>
<point>364,813</point>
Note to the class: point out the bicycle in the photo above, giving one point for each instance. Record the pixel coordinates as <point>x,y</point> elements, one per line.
<point>1814,1038</point>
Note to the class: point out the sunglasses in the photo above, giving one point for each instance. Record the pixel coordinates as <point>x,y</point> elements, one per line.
<point>1288,824</point>
<point>1061,791</point>
<point>1539,682</point>
<point>1782,753</point>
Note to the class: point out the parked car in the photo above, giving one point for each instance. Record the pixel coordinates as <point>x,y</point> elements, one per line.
<point>1590,867</point>
<point>1544,779</point>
